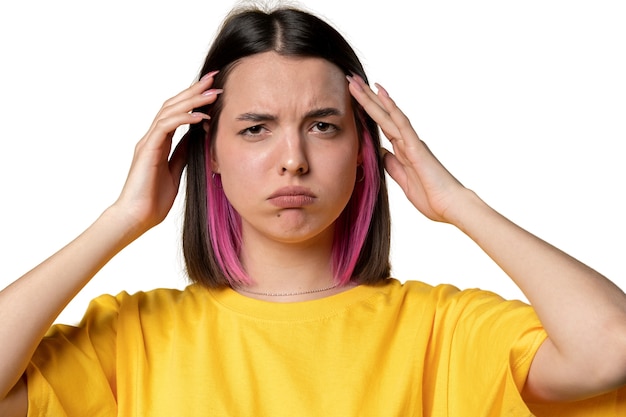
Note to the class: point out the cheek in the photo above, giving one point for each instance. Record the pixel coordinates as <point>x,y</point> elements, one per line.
<point>344,160</point>
<point>349,180</point>
<point>350,170</point>
<point>229,158</point>
<point>241,174</point>
<point>340,172</point>
<point>236,176</point>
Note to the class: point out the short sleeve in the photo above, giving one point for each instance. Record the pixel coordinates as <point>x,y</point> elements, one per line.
<point>611,404</point>
<point>72,372</point>
<point>492,346</point>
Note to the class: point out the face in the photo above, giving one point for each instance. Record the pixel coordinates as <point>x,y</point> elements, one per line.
<point>286,147</point>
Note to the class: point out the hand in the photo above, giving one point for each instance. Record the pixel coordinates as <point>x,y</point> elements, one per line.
<point>153,179</point>
<point>424,180</point>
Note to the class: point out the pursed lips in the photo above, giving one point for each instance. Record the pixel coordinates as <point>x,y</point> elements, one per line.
<point>292,197</point>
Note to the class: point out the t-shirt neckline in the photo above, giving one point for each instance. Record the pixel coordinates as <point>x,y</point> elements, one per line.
<point>295,311</point>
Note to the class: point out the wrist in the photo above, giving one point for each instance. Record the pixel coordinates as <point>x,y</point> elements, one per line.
<point>120,225</point>
<point>467,209</point>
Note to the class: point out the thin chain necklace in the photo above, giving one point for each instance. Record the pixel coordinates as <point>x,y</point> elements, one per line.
<point>285,294</point>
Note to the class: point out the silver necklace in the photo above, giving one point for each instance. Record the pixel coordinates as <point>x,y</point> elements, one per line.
<point>286,294</point>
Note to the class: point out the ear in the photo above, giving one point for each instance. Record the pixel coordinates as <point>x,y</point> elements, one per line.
<point>215,168</point>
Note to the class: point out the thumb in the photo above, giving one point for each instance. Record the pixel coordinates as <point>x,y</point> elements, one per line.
<point>178,160</point>
<point>394,168</point>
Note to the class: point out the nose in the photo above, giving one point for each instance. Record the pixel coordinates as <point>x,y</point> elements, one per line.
<point>294,159</point>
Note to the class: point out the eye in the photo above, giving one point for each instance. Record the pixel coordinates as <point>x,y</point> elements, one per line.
<point>253,130</point>
<point>323,127</point>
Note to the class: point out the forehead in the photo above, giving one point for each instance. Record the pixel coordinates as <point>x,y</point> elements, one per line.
<point>276,82</point>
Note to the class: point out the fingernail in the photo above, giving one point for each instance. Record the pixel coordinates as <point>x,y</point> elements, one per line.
<point>352,80</point>
<point>200,115</point>
<point>213,91</point>
<point>359,79</point>
<point>208,75</point>
<point>381,90</point>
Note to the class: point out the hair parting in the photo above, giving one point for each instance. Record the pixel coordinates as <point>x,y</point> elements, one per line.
<point>212,229</point>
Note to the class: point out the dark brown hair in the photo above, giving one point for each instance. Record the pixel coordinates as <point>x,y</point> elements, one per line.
<point>289,32</point>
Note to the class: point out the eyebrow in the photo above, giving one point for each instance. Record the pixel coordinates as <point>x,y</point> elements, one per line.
<point>264,117</point>
<point>255,117</point>
<point>324,112</point>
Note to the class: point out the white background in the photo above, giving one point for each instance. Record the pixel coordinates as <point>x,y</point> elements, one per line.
<point>524,102</point>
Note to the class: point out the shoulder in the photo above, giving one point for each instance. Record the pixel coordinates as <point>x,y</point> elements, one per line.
<point>450,301</point>
<point>164,298</point>
<point>146,303</point>
<point>441,294</point>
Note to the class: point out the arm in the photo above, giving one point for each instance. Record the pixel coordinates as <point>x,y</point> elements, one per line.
<point>583,313</point>
<point>30,304</point>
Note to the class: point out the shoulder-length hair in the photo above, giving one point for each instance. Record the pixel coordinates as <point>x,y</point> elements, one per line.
<point>212,228</point>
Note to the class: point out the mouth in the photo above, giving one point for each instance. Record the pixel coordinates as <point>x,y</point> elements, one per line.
<point>292,197</point>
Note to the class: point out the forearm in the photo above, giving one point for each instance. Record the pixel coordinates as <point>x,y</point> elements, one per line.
<point>583,313</point>
<point>30,305</point>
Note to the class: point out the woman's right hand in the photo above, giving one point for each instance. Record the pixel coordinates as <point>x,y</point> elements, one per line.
<point>154,177</point>
<point>148,194</point>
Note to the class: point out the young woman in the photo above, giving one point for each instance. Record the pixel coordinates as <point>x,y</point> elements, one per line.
<point>286,238</point>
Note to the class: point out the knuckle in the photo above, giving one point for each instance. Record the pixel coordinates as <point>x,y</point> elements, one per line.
<point>168,103</point>
<point>161,124</point>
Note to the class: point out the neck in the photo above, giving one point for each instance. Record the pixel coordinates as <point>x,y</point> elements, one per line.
<point>302,270</point>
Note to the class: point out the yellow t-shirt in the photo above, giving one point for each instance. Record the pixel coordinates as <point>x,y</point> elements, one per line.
<point>388,350</point>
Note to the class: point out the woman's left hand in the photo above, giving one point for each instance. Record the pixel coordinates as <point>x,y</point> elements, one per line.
<point>576,305</point>
<point>424,180</point>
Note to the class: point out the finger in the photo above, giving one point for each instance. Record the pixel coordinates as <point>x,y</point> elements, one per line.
<point>181,113</point>
<point>178,160</point>
<point>197,95</point>
<point>363,93</point>
<point>411,146</point>
<point>161,133</point>
<point>188,104</point>
<point>394,168</point>
<point>374,107</point>
<point>397,116</point>
<point>196,88</point>
<point>368,90</point>
<point>168,125</point>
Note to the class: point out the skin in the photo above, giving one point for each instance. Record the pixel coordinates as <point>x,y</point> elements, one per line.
<point>146,198</point>
<point>287,122</point>
<point>583,313</point>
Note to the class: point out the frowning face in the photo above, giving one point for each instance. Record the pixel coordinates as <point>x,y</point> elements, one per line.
<point>286,147</point>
